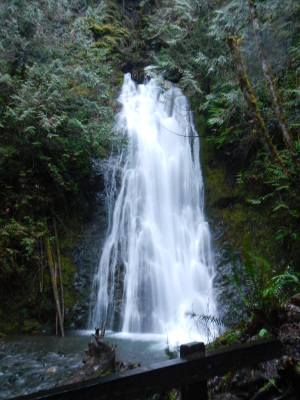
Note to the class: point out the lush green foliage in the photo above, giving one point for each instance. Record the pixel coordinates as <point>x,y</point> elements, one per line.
<point>259,294</point>
<point>54,118</point>
<point>261,291</point>
<point>55,121</point>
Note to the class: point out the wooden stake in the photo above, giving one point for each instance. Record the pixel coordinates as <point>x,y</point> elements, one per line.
<point>197,390</point>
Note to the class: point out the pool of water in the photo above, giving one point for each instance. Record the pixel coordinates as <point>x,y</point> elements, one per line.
<point>35,362</point>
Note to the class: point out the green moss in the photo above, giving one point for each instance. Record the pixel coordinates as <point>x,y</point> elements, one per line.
<point>111,42</point>
<point>102,30</point>
<point>31,325</point>
<point>100,45</point>
<point>120,36</point>
<point>115,34</point>
<point>109,29</point>
<point>222,340</point>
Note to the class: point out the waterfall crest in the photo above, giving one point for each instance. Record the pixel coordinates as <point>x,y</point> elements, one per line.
<point>157,262</point>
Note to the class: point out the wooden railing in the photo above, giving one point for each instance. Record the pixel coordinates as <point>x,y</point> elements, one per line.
<point>190,372</point>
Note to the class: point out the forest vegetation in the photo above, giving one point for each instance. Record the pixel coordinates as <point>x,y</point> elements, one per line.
<point>61,65</point>
<point>55,119</point>
<point>238,62</point>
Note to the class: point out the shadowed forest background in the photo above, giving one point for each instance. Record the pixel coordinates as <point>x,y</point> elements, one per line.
<point>61,68</point>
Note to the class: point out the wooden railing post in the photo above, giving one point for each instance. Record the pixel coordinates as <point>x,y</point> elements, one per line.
<point>197,390</point>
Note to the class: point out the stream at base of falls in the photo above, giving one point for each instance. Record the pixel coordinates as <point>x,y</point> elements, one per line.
<point>29,363</point>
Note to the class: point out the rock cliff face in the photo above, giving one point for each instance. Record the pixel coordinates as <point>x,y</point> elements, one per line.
<point>87,251</point>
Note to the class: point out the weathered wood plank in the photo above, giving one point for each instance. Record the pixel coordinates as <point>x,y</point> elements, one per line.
<point>145,381</point>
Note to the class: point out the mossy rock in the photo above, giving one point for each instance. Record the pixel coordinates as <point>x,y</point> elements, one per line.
<point>226,338</point>
<point>118,37</point>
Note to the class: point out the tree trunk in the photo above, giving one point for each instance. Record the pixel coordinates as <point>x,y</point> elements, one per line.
<point>101,355</point>
<point>41,270</point>
<point>287,136</point>
<point>259,124</point>
<point>60,272</point>
<point>48,252</point>
<point>209,49</point>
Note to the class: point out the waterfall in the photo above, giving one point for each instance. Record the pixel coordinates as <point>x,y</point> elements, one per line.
<point>157,262</point>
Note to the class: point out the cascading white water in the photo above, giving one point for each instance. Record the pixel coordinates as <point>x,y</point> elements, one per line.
<point>157,262</point>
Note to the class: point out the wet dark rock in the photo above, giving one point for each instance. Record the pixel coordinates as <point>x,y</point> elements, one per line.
<point>87,252</point>
<point>12,378</point>
<point>227,257</point>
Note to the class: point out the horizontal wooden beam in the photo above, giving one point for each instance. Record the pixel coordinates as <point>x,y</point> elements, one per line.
<point>167,375</point>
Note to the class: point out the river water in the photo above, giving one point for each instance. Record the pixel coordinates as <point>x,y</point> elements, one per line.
<point>29,363</point>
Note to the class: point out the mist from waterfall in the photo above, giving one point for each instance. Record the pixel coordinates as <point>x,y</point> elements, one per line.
<point>157,262</point>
